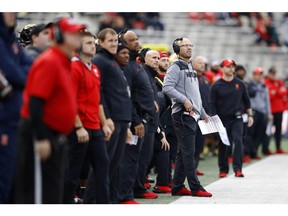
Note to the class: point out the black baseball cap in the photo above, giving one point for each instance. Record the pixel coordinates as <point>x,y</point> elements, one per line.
<point>40,27</point>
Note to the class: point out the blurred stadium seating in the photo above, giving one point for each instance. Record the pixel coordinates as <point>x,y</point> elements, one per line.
<point>214,40</point>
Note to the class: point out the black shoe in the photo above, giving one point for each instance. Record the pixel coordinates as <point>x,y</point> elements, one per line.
<point>150,180</point>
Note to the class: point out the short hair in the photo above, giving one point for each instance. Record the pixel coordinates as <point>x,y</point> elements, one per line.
<point>87,34</point>
<point>239,67</point>
<point>102,34</point>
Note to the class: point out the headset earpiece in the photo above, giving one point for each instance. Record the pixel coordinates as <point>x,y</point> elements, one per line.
<point>176,47</point>
<point>58,35</point>
<point>79,50</point>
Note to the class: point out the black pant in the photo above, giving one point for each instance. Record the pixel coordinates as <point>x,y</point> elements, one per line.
<point>144,161</point>
<point>172,140</point>
<point>115,150</point>
<point>185,166</point>
<point>278,128</point>
<point>161,163</point>
<point>235,134</point>
<point>96,151</point>
<point>256,133</point>
<point>246,146</point>
<point>128,171</point>
<point>199,145</point>
<point>7,161</point>
<point>52,169</point>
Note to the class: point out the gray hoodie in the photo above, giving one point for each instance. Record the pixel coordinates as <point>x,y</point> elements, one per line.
<point>261,101</point>
<point>180,85</point>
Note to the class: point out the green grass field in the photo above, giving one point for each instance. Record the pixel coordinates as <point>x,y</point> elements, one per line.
<point>210,167</point>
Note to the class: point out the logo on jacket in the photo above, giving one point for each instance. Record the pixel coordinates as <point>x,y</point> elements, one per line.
<point>237,86</point>
<point>96,72</point>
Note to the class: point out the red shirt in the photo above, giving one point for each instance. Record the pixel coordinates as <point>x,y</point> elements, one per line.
<point>87,89</point>
<point>213,77</point>
<point>50,80</point>
<point>277,93</point>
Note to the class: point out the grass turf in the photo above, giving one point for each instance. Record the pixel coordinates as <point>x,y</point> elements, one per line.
<point>210,167</point>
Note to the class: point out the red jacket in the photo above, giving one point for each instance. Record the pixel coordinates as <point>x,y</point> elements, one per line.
<point>50,80</point>
<point>213,77</point>
<point>278,94</point>
<point>86,83</point>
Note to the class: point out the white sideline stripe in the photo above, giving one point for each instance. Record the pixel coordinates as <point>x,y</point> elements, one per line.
<point>265,182</point>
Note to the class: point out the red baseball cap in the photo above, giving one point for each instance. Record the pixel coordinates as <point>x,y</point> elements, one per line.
<point>258,70</point>
<point>228,62</point>
<point>163,54</point>
<point>69,25</point>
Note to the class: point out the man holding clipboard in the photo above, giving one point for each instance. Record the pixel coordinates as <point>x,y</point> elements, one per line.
<point>182,87</point>
<point>227,95</point>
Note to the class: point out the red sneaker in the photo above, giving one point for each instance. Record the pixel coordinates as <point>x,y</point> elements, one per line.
<point>173,165</point>
<point>146,195</point>
<point>230,159</point>
<point>202,193</point>
<point>280,151</point>
<point>268,153</point>
<point>129,202</point>
<point>162,189</point>
<point>199,173</point>
<point>239,174</point>
<point>246,159</point>
<point>222,175</point>
<point>147,185</point>
<point>182,192</point>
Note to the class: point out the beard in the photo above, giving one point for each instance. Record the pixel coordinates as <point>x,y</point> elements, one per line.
<point>162,69</point>
<point>187,55</point>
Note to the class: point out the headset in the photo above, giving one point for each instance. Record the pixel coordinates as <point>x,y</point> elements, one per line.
<point>176,47</point>
<point>57,33</point>
<point>79,50</point>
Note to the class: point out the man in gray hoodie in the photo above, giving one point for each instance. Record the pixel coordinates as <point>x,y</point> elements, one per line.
<point>182,87</point>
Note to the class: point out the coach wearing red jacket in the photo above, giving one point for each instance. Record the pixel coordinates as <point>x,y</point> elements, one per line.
<point>278,96</point>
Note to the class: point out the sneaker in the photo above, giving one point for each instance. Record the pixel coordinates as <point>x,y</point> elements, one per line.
<point>280,151</point>
<point>170,184</point>
<point>239,174</point>
<point>147,185</point>
<point>162,189</point>
<point>146,195</point>
<point>199,173</point>
<point>173,165</point>
<point>182,192</point>
<point>222,175</point>
<point>202,193</point>
<point>246,159</point>
<point>129,202</point>
<point>256,157</point>
<point>230,159</point>
<point>150,180</point>
<point>268,153</point>
<point>77,199</point>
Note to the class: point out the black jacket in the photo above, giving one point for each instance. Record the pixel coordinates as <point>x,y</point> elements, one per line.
<point>164,107</point>
<point>154,123</point>
<point>33,52</point>
<point>228,98</point>
<point>204,87</point>
<point>115,96</point>
<point>141,91</point>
